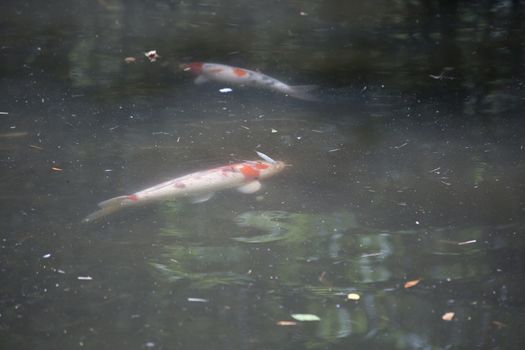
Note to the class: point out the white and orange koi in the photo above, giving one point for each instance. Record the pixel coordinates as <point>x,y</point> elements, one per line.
<point>198,187</point>
<point>239,76</point>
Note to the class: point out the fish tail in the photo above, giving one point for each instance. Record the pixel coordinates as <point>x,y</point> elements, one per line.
<point>303,92</point>
<point>106,207</point>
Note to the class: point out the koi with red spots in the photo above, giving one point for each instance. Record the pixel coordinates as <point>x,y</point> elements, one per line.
<point>244,77</point>
<point>199,186</point>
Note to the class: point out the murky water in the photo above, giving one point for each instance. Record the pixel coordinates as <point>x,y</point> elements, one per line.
<point>403,205</point>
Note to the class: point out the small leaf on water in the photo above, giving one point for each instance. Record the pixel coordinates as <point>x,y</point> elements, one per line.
<point>286,323</point>
<point>152,55</point>
<point>84,278</point>
<point>54,168</point>
<point>448,316</point>
<point>198,300</point>
<point>305,317</point>
<point>353,296</point>
<point>412,283</point>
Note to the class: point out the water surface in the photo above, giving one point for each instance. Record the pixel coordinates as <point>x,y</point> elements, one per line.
<point>411,168</point>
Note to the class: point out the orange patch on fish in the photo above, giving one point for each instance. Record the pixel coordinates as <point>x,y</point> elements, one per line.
<point>249,172</point>
<point>133,198</point>
<point>239,72</point>
<point>262,166</point>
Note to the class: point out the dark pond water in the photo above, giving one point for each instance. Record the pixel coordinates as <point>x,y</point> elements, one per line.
<point>410,168</point>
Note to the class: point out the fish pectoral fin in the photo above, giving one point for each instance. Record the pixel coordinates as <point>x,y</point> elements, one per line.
<point>201,197</point>
<point>201,79</point>
<point>250,187</point>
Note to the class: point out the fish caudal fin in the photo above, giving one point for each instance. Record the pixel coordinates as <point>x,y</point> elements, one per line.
<point>106,207</point>
<point>303,92</point>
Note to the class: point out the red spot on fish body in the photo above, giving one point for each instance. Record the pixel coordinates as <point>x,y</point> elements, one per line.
<point>262,166</point>
<point>194,67</point>
<point>133,197</point>
<point>239,72</point>
<point>249,172</point>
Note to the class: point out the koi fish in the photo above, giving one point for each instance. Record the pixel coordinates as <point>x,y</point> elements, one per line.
<point>239,76</point>
<point>198,187</point>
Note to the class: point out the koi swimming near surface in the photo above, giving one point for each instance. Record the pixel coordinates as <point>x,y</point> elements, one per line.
<point>239,76</point>
<point>198,187</point>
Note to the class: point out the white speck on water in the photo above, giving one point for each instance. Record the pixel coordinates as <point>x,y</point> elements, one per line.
<point>84,278</point>
<point>198,300</point>
<point>225,90</point>
<point>45,256</point>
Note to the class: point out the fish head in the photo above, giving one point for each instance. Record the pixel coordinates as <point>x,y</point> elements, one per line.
<point>193,67</point>
<point>266,169</point>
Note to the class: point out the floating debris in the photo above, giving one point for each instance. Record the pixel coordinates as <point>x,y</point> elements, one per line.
<point>130,60</point>
<point>467,242</point>
<point>401,146</point>
<point>410,284</point>
<point>198,300</point>
<point>274,131</point>
<point>305,317</point>
<point>225,90</point>
<point>85,278</point>
<point>45,256</point>
<point>152,55</point>
<point>54,168</point>
<point>353,296</point>
<point>4,113</point>
<point>448,316</point>
<point>286,323</point>
<point>36,147</point>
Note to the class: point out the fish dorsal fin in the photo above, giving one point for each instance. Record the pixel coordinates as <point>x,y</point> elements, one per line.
<point>250,187</point>
<point>201,197</point>
<point>201,79</point>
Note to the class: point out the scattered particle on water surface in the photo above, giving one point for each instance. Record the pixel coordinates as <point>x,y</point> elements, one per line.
<point>467,242</point>
<point>84,278</point>
<point>305,317</point>
<point>198,300</point>
<point>353,296</point>
<point>448,316</point>
<point>45,256</point>
<point>412,283</point>
<point>225,90</point>
<point>152,55</point>
<point>286,323</point>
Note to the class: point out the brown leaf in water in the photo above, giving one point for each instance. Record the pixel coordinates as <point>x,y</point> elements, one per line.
<point>448,316</point>
<point>412,283</point>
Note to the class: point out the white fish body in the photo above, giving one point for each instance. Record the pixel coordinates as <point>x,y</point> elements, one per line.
<point>239,76</point>
<point>198,187</point>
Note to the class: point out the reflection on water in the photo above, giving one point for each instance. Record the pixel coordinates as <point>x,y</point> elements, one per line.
<point>311,262</point>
